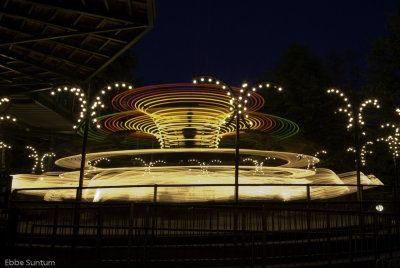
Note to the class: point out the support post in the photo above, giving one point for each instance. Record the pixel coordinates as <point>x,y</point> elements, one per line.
<point>78,197</point>
<point>83,157</point>
<point>155,194</point>
<point>3,158</point>
<point>358,158</point>
<point>396,181</point>
<point>237,156</point>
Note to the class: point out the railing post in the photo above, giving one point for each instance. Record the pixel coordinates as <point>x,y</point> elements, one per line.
<point>130,233</point>
<point>99,231</point>
<point>237,138</point>
<point>360,196</point>
<point>155,193</point>
<point>55,222</point>
<point>264,237</point>
<point>329,249</point>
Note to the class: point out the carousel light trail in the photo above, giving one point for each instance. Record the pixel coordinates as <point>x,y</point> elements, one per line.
<point>292,171</point>
<point>180,114</point>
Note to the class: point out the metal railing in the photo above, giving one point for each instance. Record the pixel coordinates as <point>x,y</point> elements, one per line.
<point>258,234</point>
<point>263,233</point>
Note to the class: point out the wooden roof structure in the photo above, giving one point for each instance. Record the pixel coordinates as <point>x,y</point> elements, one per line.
<point>48,42</point>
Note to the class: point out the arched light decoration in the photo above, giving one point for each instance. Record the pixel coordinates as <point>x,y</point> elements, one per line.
<point>79,95</point>
<point>394,145</point>
<point>149,165</point>
<point>348,108</point>
<point>364,151</point>
<point>203,165</point>
<point>34,154</point>
<point>258,165</point>
<point>7,117</point>
<point>44,156</point>
<point>98,102</point>
<point>393,139</point>
<point>315,160</point>
<point>319,152</point>
<point>95,162</point>
<point>3,100</point>
<point>3,145</point>
<point>350,150</point>
<point>239,99</point>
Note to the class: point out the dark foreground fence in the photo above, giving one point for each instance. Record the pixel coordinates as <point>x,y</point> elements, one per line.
<point>275,234</point>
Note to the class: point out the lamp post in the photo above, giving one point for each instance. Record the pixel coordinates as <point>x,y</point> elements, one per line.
<point>238,102</point>
<point>6,118</point>
<point>393,141</point>
<point>355,122</point>
<point>89,107</point>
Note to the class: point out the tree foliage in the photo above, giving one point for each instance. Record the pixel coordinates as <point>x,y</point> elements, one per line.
<point>385,65</point>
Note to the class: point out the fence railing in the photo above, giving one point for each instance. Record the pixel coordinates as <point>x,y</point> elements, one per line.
<point>172,233</point>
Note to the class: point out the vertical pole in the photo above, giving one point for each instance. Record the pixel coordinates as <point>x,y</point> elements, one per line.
<point>50,159</point>
<point>396,182</point>
<point>237,156</point>
<point>358,157</point>
<point>3,158</point>
<point>83,156</point>
<point>78,197</point>
<point>155,194</point>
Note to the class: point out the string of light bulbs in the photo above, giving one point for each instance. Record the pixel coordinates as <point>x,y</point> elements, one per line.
<point>363,152</point>
<point>98,102</point>
<point>7,117</point>
<point>97,161</point>
<point>392,140</point>
<point>348,108</point>
<point>4,100</point>
<point>34,154</point>
<point>44,156</point>
<point>4,145</point>
<point>79,95</point>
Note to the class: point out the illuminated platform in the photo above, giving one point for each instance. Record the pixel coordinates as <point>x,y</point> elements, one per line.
<point>193,180</point>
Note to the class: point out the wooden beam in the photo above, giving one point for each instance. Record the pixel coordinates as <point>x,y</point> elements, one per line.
<point>75,33</point>
<point>51,4</point>
<point>37,64</point>
<point>68,29</point>
<point>64,43</point>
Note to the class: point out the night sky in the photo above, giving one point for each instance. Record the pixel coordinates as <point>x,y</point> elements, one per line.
<point>239,40</point>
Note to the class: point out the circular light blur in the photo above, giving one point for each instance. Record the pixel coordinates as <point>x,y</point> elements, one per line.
<point>379,208</point>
